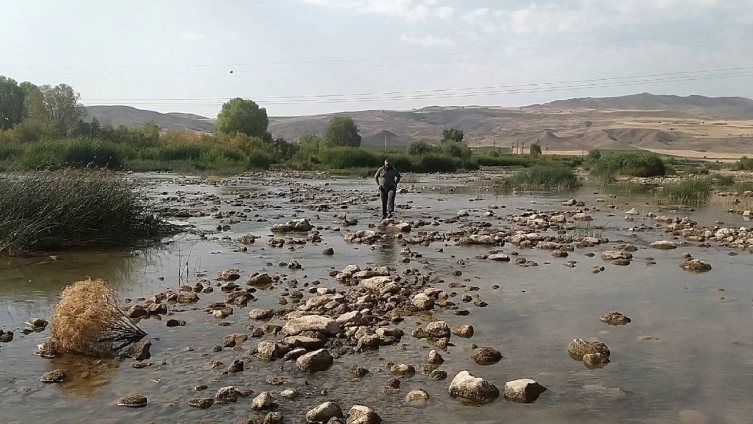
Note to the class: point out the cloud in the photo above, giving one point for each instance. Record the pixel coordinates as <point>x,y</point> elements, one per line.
<point>194,36</point>
<point>409,10</point>
<point>426,41</point>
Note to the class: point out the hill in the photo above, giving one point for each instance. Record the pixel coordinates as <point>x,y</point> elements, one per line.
<point>641,121</point>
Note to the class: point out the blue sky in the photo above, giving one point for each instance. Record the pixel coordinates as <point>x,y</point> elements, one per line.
<point>311,56</point>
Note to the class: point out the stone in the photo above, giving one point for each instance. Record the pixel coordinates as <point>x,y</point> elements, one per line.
<point>262,401</point>
<point>376,284</point>
<point>54,376</point>
<point>358,371</point>
<point>328,251</point>
<point>38,323</point>
<point>229,275</point>
<point>296,225</point>
<point>175,323</point>
<point>260,279</point>
<point>137,311</point>
<point>695,265</point>
<point>140,350</point>
<point>318,360</point>
<point>226,395</point>
<point>438,375</point>
<point>523,391</point>
<point>403,370</point>
<point>269,350</point>
<point>290,394</point>
<point>133,400</point>
<point>579,347</point>
<point>187,297</point>
<point>201,403</point>
<point>611,255</point>
<point>423,302</point>
<point>435,358</point>
<point>486,356</point>
<point>317,323</point>
<point>261,314</point>
<point>359,414</point>
<point>462,213</point>
<point>471,388</point>
<point>499,257</point>
<point>437,330</point>
<point>6,336</point>
<point>615,318</point>
<point>663,245</point>
<point>324,412</point>
<point>235,366</point>
<point>464,331</point>
<point>595,360</point>
<point>273,418</point>
<point>417,397</point>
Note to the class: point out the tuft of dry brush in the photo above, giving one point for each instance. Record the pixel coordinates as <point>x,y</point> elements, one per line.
<point>88,321</point>
<point>52,210</point>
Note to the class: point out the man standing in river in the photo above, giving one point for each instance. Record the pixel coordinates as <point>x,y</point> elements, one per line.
<point>387,179</point>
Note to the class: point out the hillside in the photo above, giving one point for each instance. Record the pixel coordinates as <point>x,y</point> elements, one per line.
<point>641,121</point>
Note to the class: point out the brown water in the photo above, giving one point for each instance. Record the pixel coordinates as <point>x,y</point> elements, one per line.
<point>700,368</point>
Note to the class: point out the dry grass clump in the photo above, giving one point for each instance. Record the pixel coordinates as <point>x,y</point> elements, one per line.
<point>88,321</point>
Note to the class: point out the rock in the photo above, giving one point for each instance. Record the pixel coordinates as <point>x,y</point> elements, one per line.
<point>187,297</point>
<point>376,284</point>
<point>231,340</point>
<point>319,360</point>
<point>403,370</point>
<point>229,275</point>
<point>403,227</point>
<point>611,255</point>
<point>235,366</point>
<point>137,311</point>
<point>358,371</point>
<point>175,323</point>
<point>140,350</point>
<point>462,213</point>
<point>486,356</point>
<point>524,390</point>
<point>261,314</point>
<point>579,347</point>
<point>201,403</point>
<point>54,376</point>
<point>226,395</point>
<point>260,280</point>
<point>269,350</point>
<point>6,336</point>
<point>273,418</point>
<point>663,245</point>
<point>499,257</point>
<point>324,412</point>
<point>133,400</point>
<point>290,394</point>
<point>328,251</point>
<point>595,360</point>
<point>296,225</point>
<point>262,401</point>
<point>582,217</point>
<point>437,330</point>
<point>423,302</point>
<point>471,388</point>
<point>438,375</point>
<point>359,414</point>
<point>417,397</point>
<point>38,323</point>
<point>695,265</point>
<point>435,358</point>
<point>615,318</point>
<point>320,324</point>
<point>464,331</point>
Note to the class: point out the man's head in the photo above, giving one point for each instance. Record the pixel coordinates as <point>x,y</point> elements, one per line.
<point>387,163</point>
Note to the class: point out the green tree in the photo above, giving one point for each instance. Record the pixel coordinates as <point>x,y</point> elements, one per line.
<point>33,103</point>
<point>420,147</point>
<point>342,131</point>
<point>62,109</point>
<point>242,116</point>
<point>535,149</point>
<point>452,134</point>
<point>11,103</point>
<point>594,155</point>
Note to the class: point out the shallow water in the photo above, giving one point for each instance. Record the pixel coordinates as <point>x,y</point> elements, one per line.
<point>700,366</point>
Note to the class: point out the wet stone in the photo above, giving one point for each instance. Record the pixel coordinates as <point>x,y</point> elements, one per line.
<point>54,376</point>
<point>133,400</point>
<point>201,403</point>
<point>486,356</point>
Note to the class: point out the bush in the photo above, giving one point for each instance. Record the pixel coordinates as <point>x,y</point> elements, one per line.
<point>629,163</point>
<point>543,177</point>
<point>438,163</point>
<point>594,155</point>
<point>65,209</point>
<point>744,164</point>
<point>502,160</point>
<point>420,147</point>
<point>688,192</point>
<point>456,149</point>
<point>349,157</point>
<point>723,180</point>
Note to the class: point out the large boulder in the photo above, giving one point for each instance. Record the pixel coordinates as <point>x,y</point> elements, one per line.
<point>229,274</point>
<point>422,302</point>
<point>359,414</point>
<point>318,360</point>
<point>524,390</point>
<point>324,412</point>
<point>140,350</point>
<point>317,323</point>
<point>269,350</point>
<point>437,330</point>
<point>471,388</point>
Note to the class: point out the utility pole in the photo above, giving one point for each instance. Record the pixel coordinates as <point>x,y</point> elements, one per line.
<point>385,143</point>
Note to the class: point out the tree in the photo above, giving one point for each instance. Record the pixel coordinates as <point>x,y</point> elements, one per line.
<point>62,109</point>
<point>535,149</point>
<point>452,134</point>
<point>242,116</point>
<point>33,103</point>
<point>342,131</point>
<point>11,103</point>
<point>420,147</point>
<point>594,155</point>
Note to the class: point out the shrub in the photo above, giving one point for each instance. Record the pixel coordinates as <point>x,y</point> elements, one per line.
<point>535,149</point>
<point>349,157</point>
<point>420,147</point>
<point>744,164</point>
<point>456,149</point>
<point>594,155</point>
<point>543,177</point>
<point>502,160</point>
<point>629,163</point>
<point>689,192</point>
<point>66,209</point>
<point>438,163</point>
<point>88,321</point>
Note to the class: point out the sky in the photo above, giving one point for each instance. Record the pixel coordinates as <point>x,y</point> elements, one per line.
<point>298,57</point>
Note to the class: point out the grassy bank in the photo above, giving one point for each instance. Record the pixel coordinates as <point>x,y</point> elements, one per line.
<point>42,211</point>
<point>689,192</point>
<point>628,163</point>
<point>541,178</point>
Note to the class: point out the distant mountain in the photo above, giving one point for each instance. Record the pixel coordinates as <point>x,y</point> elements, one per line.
<point>641,121</point>
<point>132,117</point>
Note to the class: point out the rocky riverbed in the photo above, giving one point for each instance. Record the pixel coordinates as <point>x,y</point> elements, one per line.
<point>288,300</point>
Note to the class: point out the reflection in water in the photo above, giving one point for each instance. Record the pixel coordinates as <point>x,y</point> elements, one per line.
<point>387,253</point>
<point>84,376</point>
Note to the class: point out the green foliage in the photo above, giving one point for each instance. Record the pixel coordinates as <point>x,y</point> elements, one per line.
<point>342,131</point>
<point>543,177</point>
<point>744,164</point>
<point>62,109</point>
<point>61,210</point>
<point>77,153</point>
<point>629,163</point>
<point>723,180</point>
<point>244,117</point>
<point>438,163</point>
<point>420,147</point>
<point>503,160</point>
<point>594,155</point>
<point>456,149</point>
<point>348,157</point>
<point>11,103</point>
<point>689,192</point>
<point>452,135</point>
<point>535,149</point>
